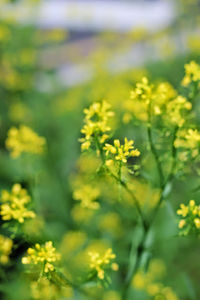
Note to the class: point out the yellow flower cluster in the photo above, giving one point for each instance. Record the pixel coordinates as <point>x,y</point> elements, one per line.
<point>164,92</point>
<point>150,282</point>
<point>147,99</point>
<point>120,152</point>
<point>142,91</point>
<point>44,255</point>
<point>44,289</point>
<point>174,110</point>
<point>192,73</point>
<point>188,139</point>
<point>96,123</point>
<point>87,195</point>
<point>14,206</point>
<point>5,249</point>
<point>99,263</point>
<point>24,140</point>
<point>190,217</point>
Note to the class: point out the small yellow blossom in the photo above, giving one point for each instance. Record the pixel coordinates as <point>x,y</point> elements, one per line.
<point>99,263</point>
<point>150,283</point>
<point>121,152</point>
<point>24,140</point>
<point>96,124</point>
<point>44,289</point>
<point>175,108</point>
<point>14,206</point>
<point>192,73</point>
<point>44,255</point>
<point>142,91</point>
<point>188,139</point>
<point>87,195</point>
<point>5,249</point>
<point>190,217</point>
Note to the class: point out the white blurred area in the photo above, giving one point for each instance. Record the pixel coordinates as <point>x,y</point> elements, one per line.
<point>85,19</point>
<point>97,15</point>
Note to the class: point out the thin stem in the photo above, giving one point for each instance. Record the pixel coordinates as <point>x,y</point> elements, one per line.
<point>152,147</point>
<point>141,246</point>
<point>174,152</point>
<point>130,192</point>
<point>67,282</point>
<point>122,183</point>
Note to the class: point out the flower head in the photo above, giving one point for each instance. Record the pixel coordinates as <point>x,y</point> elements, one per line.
<point>14,206</point>
<point>190,217</point>
<point>5,249</point>
<point>120,152</point>
<point>100,263</point>
<point>24,140</point>
<point>44,255</point>
<point>174,109</point>
<point>142,91</point>
<point>192,73</point>
<point>87,195</point>
<point>188,139</point>
<point>96,123</point>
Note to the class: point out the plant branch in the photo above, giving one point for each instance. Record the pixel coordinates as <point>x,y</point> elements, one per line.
<point>153,148</point>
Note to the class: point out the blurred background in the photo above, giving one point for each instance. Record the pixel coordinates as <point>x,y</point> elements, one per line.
<point>59,56</point>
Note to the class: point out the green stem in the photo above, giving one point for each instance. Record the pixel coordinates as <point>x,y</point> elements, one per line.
<point>67,282</point>
<point>141,247</point>
<point>122,183</point>
<point>152,147</point>
<point>136,201</point>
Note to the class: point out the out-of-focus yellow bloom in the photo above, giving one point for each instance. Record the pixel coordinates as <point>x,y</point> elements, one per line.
<point>81,214</point>
<point>100,263</point>
<point>5,249</point>
<point>111,295</point>
<point>188,139</point>
<point>121,152</point>
<point>161,100</point>
<point>24,140</point>
<point>15,203</point>
<point>96,123</point>
<point>190,217</point>
<point>163,93</point>
<point>175,108</point>
<point>87,195</point>
<point>72,242</point>
<point>45,255</point>
<point>55,35</point>
<point>194,42</point>
<point>142,91</point>
<point>19,112</point>
<point>4,32</point>
<point>46,290</point>
<point>150,281</point>
<point>111,223</point>
<point>192,73</point>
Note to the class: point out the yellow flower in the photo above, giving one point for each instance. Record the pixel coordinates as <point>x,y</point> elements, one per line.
<point>101,262</point>
<point>87,195</point>
<point>142,91</point>
<point>181,224</point>
<point>121,152</point>
<point>192,73</point>
<point>14,206</point>
<point>188,139</point>
<point>24,140</point>
<point>149,282</point>
<point>96,123</point>
<point>5,249</point>
<point>190,217</point>
<point>174,110</point>
<point>45,255</point>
